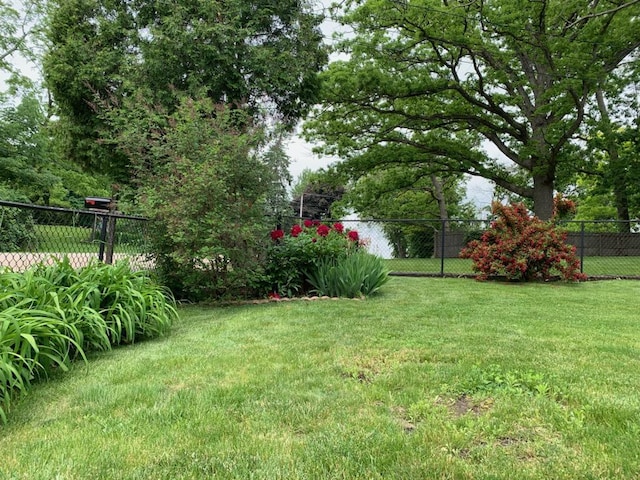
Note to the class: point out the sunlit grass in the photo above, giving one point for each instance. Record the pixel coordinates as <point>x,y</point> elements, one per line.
<point>434,378</point>
<point>596,266</point>
<point>66,239</point>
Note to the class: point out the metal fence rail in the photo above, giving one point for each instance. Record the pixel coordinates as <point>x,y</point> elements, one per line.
<point>31,234</point>
<point>607,249</point>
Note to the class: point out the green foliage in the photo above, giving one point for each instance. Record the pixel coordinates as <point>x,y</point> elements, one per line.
<point>356,275</point>
<point>316,195</point>
<point>17,228</point>
<point>494,379</point>
<point>263,56</point>
<point>25,163</point>
<point>444,78</point>
<point>203,186</point>
<point>294,256</point>
<point>51,315</point>
<point>520,247</point>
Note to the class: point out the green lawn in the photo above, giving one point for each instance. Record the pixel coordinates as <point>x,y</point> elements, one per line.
<point>69,239</point>
<point>598,266</point>
<point>65,239</point>
<point>433,378</point>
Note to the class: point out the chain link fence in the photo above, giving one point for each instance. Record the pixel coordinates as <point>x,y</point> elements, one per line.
<point>607,249</point>
<point>31,234</point>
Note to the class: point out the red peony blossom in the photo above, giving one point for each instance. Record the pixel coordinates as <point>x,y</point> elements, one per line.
<point>277,234</point>
<point>338,227</point>
<point>274,296</point>
<point>323,230</point>
<point>315,223</point>
<point>296,230</point>
<point>308,223</point>
<point>353,235</point>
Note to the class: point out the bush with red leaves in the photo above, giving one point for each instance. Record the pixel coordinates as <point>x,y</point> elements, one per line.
<point>518,246</point>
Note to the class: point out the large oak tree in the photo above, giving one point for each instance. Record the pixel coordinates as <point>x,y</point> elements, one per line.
<point>449,77</point>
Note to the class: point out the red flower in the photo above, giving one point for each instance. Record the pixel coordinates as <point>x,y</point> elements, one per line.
<point>353,235</point>
<point>274,296</point>
<point>276,234</point>
<point>315,223</point>
<point>314,239</point>
<point>296,230</point>
<point>323,230</point>
<point>308,223</point>
<point>338,227</point>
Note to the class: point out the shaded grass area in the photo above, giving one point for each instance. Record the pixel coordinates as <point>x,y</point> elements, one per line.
<point>597,266</point>
<point>434,378</point>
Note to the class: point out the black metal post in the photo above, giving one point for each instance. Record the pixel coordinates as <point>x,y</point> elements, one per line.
<point>103,238</point>
<point>442,239</point>
<point>582,247</point>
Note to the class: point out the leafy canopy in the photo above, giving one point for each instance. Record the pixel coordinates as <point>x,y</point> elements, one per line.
<point>449,78</point>
<point>261,55</point>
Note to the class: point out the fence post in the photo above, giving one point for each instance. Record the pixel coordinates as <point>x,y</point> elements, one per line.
<point>442,240</point>
<point>103,237</point>
<point>110,237</point>
<point>582,247</point>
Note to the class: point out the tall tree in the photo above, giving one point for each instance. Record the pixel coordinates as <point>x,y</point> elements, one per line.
<point>263,55</point>
<point>315,194</point>
<point>20,33</point>
<point>446,77</point>
<point>24,165</point>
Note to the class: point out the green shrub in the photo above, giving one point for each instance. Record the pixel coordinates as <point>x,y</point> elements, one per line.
<point>17,227</point>
<point>202,184</point>
<point>355,275</point>
<point>521,247</point>
<point>292,257</point>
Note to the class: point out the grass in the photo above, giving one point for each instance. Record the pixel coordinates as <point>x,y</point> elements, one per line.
<point>597,266</point>
<point>65,239</point>
<point>434,378</point>
<point>70,239</point>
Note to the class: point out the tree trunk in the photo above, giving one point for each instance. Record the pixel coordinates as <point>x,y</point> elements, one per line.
<point>543,196</point>
<point>438,193</point>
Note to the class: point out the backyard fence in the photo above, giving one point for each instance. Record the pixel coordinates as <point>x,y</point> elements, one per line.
<point>607,249</point>
<point>31,234</point>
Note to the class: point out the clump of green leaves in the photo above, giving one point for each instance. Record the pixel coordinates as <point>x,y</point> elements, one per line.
<point>203,185</point>
<point>519,246</point>
<point>355,275</point>
<point>292,257</point>
<point>52,314</point>
<point>324,259</point>
<point>17,227</point>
